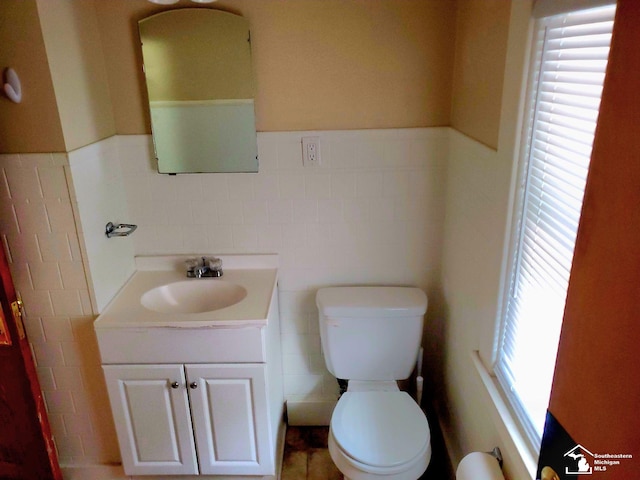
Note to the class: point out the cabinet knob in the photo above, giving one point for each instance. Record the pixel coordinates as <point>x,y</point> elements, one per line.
<point>175,384</point>
<point>193,385</point>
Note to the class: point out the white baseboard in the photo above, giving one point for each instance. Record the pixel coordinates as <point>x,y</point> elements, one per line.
<point>311,413</point>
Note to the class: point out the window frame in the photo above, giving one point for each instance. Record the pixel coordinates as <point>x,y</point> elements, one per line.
<point>514,236</point>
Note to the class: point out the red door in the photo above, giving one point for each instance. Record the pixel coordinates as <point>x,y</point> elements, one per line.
<point>26,447</point>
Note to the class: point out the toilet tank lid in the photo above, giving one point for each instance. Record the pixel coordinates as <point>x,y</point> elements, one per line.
<point>371,301</point>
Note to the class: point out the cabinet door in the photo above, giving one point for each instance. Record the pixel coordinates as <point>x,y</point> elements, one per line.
<point>152,418</point>
<point>230,418</point>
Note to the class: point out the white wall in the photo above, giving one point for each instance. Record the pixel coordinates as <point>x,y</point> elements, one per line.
<point>371,214</point>
<point>98,191</point>
<point>472,257</point>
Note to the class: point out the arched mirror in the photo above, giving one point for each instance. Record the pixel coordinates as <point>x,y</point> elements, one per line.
<point>200,85</point>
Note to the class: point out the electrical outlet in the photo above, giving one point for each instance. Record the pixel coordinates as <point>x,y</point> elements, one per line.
<point>311,151</point>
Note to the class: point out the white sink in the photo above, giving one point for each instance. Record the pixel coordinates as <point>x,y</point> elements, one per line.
<point>193,296</point>
<point>159,295</point>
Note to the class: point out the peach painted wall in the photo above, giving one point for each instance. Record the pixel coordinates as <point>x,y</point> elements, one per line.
<point>78,71</point>
<point>596,388</point>
<point>55,48</point>
<point>320,65</point>
<point>33,125</point>
<point>480,52</point>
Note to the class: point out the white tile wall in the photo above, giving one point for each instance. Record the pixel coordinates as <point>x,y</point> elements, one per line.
<point>372,213</point>
<point>39,234</point>
<point>98,194</point>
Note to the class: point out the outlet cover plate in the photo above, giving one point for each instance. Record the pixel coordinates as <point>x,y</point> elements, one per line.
<point>311,151</point>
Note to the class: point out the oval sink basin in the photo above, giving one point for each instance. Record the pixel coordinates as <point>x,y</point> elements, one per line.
<point>193,296</point>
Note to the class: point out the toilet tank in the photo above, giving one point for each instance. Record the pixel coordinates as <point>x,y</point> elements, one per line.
<point>371,333</point>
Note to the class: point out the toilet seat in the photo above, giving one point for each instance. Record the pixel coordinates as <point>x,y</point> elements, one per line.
<point>355,470</point>
<point>380,430</point>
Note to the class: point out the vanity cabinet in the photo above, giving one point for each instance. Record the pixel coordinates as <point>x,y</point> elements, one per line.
<point>196,395</point>
<point>191,419</point>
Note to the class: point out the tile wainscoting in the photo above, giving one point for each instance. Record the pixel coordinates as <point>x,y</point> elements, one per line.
<point>372,213</point>
<point>40,234</point>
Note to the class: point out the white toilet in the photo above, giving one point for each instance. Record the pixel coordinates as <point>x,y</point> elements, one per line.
<point>371,337</point>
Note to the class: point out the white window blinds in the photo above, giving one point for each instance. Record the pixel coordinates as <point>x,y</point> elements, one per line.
<point>569,62</point>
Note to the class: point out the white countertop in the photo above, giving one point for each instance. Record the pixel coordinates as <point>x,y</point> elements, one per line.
<point>126,311</point>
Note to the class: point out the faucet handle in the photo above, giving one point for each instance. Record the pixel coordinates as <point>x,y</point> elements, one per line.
<point>191,263</point>
<point>203,267</point>
<point>213,263</point>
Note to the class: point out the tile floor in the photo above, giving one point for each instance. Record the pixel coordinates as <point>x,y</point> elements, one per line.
<point>306,457</point>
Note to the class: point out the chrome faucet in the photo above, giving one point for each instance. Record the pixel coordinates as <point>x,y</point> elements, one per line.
<point>205,267</point>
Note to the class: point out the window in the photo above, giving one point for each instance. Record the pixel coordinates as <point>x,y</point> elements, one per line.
<point>569,58</point>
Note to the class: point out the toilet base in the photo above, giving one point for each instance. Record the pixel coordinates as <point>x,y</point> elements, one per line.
<point>349,467</point>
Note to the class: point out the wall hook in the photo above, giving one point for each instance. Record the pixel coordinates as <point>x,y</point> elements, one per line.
<point>12,86</point>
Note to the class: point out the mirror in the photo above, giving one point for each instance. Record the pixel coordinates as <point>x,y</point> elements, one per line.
<point>199,78</point>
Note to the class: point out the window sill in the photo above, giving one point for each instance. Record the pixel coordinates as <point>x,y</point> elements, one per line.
<point>518,455</point>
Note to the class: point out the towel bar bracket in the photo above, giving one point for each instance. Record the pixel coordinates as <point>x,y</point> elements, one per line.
<point>119,230</point>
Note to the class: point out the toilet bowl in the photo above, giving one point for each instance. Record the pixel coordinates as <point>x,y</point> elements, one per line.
<point>370,337</point>
<point>379,434</point>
